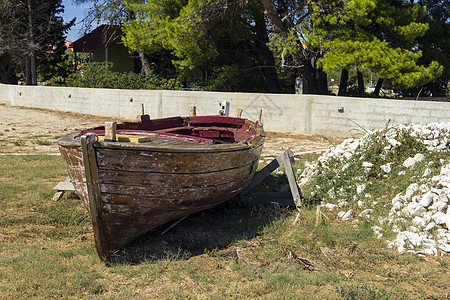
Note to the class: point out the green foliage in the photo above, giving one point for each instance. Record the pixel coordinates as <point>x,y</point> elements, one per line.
<point>375,35</point>
<point>435,46</point>
<point>95,75</point>
<point>210,45</point>
<point>229,78</point>
<point>63,68</point>
<point>171,24</point>
<point>99,75</point>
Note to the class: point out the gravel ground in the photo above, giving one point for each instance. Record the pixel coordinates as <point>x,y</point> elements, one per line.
<point>31,130</point>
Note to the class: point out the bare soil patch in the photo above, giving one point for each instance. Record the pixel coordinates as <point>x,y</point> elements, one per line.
<point>33,130</point>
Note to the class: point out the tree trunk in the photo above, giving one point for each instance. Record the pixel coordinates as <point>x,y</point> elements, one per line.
<point>144,62</point>
<point>322,83</point>
<point>378,86</point>
<point>31,62</point>
<point>317,79</point>
<point>343,84</point>
<point>27,74</point>
<point>270,73</point>
<point>272,12</point>
<point>360,83</point>
<point>33,67</point>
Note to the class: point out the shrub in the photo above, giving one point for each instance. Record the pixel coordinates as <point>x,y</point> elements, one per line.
<point>99,75</point>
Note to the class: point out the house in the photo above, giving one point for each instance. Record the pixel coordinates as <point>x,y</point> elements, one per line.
<point>104,44</point>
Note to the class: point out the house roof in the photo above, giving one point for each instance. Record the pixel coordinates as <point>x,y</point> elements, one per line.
<point>104,36</point>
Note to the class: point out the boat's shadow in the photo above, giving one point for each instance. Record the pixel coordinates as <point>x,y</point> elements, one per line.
<point>200,233</point>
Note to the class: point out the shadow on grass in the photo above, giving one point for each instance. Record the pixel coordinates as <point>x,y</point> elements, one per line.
<point>203,232</point>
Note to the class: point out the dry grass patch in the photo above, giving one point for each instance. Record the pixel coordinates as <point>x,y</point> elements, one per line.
<point>232,251</point>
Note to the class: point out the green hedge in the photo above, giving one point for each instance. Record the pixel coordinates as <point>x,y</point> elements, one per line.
<point>99,75</point>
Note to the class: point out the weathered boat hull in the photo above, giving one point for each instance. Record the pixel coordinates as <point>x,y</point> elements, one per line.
<point>130,188</point>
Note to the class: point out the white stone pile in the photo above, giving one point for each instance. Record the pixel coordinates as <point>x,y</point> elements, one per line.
<point>420,216</point>
<point>424,211</point>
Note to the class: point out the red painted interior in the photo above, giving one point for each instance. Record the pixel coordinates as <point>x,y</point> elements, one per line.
<point>201,129</point>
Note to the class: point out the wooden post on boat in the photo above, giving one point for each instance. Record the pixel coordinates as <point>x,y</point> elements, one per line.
<point>192,111</point>
<point>110,131</point>
<point>93,189</point>
<point>239,112</point>
<point>260,116</point>
<point>142,109</point>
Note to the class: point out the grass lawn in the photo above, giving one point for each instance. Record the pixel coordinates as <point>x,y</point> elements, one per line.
<point>231,251</point>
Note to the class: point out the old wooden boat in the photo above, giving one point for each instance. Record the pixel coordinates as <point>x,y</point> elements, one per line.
<point>155,171</point>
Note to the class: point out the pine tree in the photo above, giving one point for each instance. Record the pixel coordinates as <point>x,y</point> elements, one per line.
<point>376,35</point>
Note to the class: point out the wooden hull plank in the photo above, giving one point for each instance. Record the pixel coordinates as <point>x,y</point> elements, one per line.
<point>182,180</point>
<point>130,160</point>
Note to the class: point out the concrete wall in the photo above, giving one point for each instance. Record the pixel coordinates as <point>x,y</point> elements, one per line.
<point>304,114</point>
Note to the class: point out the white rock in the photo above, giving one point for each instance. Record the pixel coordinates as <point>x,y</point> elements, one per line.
<point>429,251</point>
<point>419,210</point>
<point>428,243</point>
<point>413,229</point>
<point>354,145</point>
<point>411,161</point>
<point>426,199</point>
<point>365,212</point>
<point>376,229</point>
<point>397,205</point>
<point>442,219</point>
<point>411,207</point>
<point>439,217</point>
<point>397,198</point>
<point>331,206</point>
<point>430,226</point>
<point>347,155</point>
<point>444,247</point>
<point>360,188</point>
<point>342,203</point>
<point>426,132</point>
<point>401,173</point>
<point>440,206</point>
<point>348,215</point>
<point>367,164</point>
<point>414,238</point>
<point>393,142</point>
<point>418,221</point>
<point>423,207</point>
<point>423,188</point>
<point>386,168</point>
<point>426,173</point>
<point>401,249</point>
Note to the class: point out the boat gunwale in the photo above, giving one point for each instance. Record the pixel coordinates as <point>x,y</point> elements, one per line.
<point>158,147</point>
